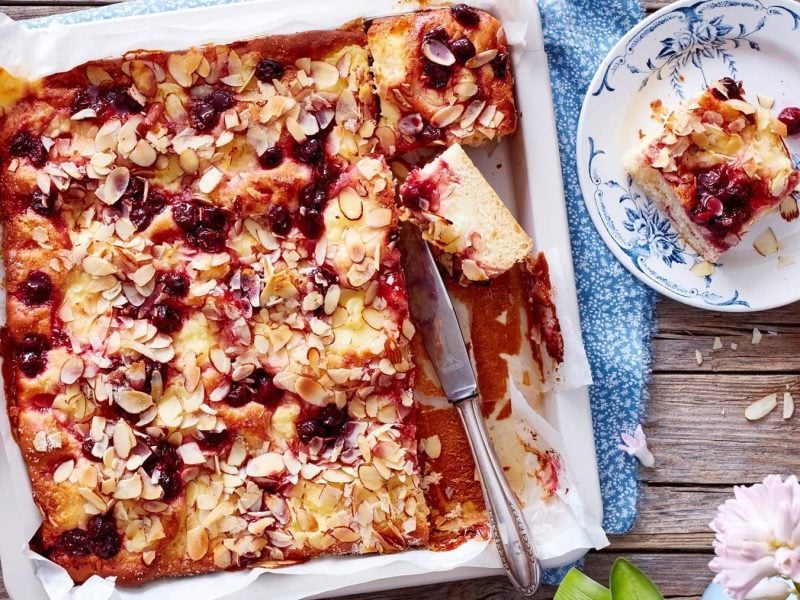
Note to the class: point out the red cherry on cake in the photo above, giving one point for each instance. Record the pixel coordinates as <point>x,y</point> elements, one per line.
<point>791,118</point>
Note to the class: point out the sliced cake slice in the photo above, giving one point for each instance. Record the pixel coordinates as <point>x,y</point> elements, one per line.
<point>462,216</point>
<point>716,167</point>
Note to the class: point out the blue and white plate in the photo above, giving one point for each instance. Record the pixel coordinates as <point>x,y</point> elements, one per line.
<point>670,56</point>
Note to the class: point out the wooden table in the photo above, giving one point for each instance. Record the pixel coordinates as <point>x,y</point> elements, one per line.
<point>695,425</point>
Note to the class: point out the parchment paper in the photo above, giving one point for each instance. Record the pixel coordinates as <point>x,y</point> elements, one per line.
<point>559,526</point>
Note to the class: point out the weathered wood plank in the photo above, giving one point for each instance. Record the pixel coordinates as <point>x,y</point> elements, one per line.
<point>697,430</point>
<point>31,12</point>
<point>682,330</point>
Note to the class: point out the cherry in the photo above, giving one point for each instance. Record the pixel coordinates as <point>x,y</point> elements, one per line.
<point>266,392</point>
<point>86,448</point>
<point>106,101</point>
<point>791,118</point>
<point>186,215</point>
<point>206,226</point>
<point>213,440</point>
<point>74,542</point>
<point>166,461</point>
<point>36,289</point>
<point>733,89</point>
<point>324,277</point>
<point>463,49</point>
<point>279,219</point>
<point>309,151</point>
<point>500,64</point>
<point>430,134</point>
<point>271,158</point>
<point>267,70</point>
<point>144,210</point>
<point>439,34</point>
<point>222,100</point>
<point>436,76</point>
<point>175,284</point>
<point>202,114</point>
<point>239,395</point>
<point>41,203</point>
<point>119,98</point>
<point>32,354</point>
<point>328,423</point>
<point>23,144</point>
<point>309,222</point>
<point>165,318</point>
<point>313,196</point>
<point>466,15</point>
<point>308,430</point>
<point>104,539</point>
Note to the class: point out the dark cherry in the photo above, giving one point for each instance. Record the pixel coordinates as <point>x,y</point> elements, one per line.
<point>271,158</point>
<point>267,70</point>
<point>733,90</point>
<point>41,203</point>
<point>722,199</point>
<point>791,118</point>
<point>74,542</point>
<point>327,423</point>
<point>36,289</point>
<point>86,98</point>
<point>150,367</point>
<point>122,102</point>
<point>436,76</point>
<point>186,215</point>
<point>144,210</point>
<point>266,392</point>
<point>309,151</point>
<point>466,15</point>
<point>279,219</point>
<point>86,448</point>
<point>240,394</point>
<point>165,460</point>
<point>165,318</point>
<point>463,49</point>
<point>105,101</point>
<point>104,539</point>
<point>175,284</point>
<point>213,218</point>
<point>23,144</point>
<point>430,134</point>
<point>309,222</point>
<point>438,33</point>
<point>209,240</point>
<point>313,196</point>
<point>500,64</point>
<point>202,114</point>
<point>308,430</point>
<point>419,193</point>
<point>213,440</point>
<point>32,354</point>
<point>325,172</point>
<point>222,100</point>
<point>324,277</point>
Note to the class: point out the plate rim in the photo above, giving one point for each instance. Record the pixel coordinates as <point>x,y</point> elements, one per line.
<point>583,144</point>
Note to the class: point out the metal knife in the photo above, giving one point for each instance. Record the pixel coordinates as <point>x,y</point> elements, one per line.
<point>437,323</point>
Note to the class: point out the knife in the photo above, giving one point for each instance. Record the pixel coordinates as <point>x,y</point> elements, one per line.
<point>436,321</point>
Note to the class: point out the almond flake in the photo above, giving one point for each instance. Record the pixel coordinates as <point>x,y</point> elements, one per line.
<point>265,465</point>
<point>177,68</point>
<point>379,218</point>
<point>698,357</point>
<point>761,408</point>
<point>143,154</point>
<point>788,405</point>
<point>766,243</point>
<point>71,370</point>
<point>98,267</point>
<point>63,471</point>
<point>447,115</point>
<point>481,58</point>
<point>220,360</point>
<point>115,185</point>
<point>370,478</point>
<point>196,543</point>
<point>130,488</point>
<point>703,269</point>
<point>433,447</point>
<point>144,275</point>
<point>350,204</point>
<point>311,391</point>
<point>134,402</point>
<point>210,180</point>
<point>124,440</point>
<point>191,454</point>
<point>757,335</point>
<point>325,75</point>
<point>189,161</point>
<point>717,344</point>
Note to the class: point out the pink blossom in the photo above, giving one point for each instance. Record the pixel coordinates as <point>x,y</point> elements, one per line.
<point>636,445</point>
<point>758,535</point>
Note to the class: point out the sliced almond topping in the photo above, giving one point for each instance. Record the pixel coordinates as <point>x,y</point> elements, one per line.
<point>350,204</point>
<point>472,271</point>
<point>757,335</point>
<point>210,180</point>
<point>196,543</point>
<point>134,401</point>
<point>433,446</point>
<point>144,275</point>
<point>63,471</point>
<point>761,408</point>
<point>702,269</point>
<point>115,185</point>
<point>238,453</point>
<point>98,267</point>
<point>447,115</point>
<point>177,68</point>
<point>130,488</point>
<point>71,370</point>
<point>265,465</point>
<point>379,218</point>
<point>97,75</point>
<point>325,75</point>
<point>345,535</point>
<point>370,478</point>
<point>354,245</point>
<point>332,299</point>
<point>374,318</point>
<point>220,360</point>
<point>311,391</point>
<point>143,154</point>
<point>191,454</point>
<point>144,78</point>
<point>124,439</point>
<point>481,58</point>
<point>788,208</point>
<point>189,161</point>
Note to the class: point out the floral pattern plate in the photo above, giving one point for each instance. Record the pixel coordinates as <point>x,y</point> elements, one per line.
<point>670,56</point>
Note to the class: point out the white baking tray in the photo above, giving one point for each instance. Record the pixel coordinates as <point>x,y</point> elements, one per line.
<point>530,182</point>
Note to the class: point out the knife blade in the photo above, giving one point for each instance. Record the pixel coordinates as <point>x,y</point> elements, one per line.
<point>435,319</point>
<point>435,316</point>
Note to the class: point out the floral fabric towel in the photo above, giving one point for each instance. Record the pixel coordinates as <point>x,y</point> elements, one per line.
<point>617,312</point>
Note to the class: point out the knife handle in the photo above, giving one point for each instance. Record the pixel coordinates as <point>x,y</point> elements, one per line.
<point>511,532</point>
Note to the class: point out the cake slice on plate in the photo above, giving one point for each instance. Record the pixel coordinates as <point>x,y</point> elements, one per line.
<point>717,166</point>
<point>462,217</point>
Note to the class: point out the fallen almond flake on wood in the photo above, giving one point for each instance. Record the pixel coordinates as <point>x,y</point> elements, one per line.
<point>785,261</point>
<point>788,405</point>
<point>717,344</point>
<point>734,346</point>
<point>761,407</point>
<point>698,356</point>
<point>757,335</point>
